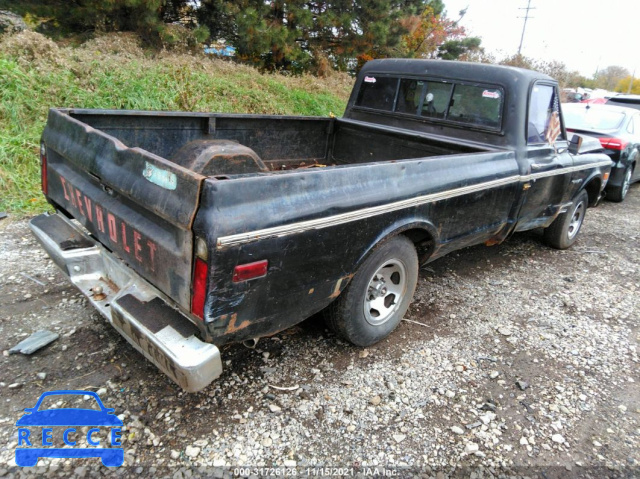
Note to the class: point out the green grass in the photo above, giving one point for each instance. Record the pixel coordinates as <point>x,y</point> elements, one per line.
<point>35,75</point>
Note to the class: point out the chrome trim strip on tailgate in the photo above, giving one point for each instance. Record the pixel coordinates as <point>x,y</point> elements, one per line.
<point>172,345</point>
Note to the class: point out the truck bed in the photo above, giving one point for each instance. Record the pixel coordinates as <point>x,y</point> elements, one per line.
<point>282,142</point>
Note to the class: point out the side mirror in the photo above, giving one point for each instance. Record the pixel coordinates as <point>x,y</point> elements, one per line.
<point>582,144</point>
<point>575,144</point>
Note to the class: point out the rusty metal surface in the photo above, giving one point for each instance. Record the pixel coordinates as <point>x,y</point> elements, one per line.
<point>272,137</point>
<point>121,167</point>
<point>308,270</point>
<point>155,315</point>
<point>141,313</point>
<point>100,183</point>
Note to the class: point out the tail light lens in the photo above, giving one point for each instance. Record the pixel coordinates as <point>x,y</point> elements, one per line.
<point>199,288</point>
<point>614,143</point>
<point>43,168</point>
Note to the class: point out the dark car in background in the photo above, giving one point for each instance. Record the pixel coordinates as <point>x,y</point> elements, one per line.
<point>569,95</point>
<point>618,130</point>
<point>627,101</point>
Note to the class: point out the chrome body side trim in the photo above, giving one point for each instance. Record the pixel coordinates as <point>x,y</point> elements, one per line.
<point>326,222</point>
<point>334,220</point>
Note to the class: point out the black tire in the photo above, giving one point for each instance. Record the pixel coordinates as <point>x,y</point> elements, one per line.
<point>619,193</point>
<point>392,265</point>
<point>563,232</point>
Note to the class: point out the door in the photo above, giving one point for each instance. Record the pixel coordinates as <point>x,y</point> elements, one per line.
<point>548,175</point>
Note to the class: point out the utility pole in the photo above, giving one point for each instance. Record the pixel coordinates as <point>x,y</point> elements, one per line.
<point>524,26</point>
<point>631,81</point>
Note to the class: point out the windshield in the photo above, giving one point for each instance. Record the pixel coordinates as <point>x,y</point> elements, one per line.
<point>593,119</point>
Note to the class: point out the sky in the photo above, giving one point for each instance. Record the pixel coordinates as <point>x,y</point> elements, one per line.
<point>585,35</point>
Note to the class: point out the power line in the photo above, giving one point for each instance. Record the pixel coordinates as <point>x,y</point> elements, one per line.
<point>524,26</point>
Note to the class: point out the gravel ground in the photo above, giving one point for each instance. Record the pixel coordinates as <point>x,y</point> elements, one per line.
<point>515,359</point>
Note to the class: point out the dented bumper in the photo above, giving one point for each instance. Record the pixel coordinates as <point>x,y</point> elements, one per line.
<point>134,307</point>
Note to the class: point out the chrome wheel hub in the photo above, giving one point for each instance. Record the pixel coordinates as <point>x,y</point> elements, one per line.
<point>385,292</point>
<point>576,220</point>
<point>377,288</point>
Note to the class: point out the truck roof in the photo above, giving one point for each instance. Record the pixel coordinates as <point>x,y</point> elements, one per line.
<point>506,75</point>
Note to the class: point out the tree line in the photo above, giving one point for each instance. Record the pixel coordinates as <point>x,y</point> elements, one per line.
<point>296,35</point>
<point>611,78</point>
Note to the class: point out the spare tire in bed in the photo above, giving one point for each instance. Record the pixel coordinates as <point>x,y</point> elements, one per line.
<point>218,157</point>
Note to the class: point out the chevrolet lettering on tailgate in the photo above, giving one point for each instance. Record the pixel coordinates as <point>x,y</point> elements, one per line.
<point>118,232</point>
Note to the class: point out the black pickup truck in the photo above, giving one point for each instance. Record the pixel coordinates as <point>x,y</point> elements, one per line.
<point>188,231</point>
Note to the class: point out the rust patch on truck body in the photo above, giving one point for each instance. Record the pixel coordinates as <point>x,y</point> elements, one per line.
<point>233,328</point>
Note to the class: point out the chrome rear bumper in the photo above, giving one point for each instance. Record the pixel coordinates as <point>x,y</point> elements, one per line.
<point>134,307</point>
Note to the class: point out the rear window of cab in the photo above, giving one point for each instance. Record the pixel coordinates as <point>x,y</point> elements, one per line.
<point>449,101</point>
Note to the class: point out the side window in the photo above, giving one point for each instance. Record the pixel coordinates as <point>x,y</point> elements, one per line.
<point>409,96</point>
<point>544,116</point>
<point>377,92</point>
<point>436,101</point>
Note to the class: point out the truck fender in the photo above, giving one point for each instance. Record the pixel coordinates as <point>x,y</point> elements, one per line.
<point>592,185</point>
<point>423,233</point>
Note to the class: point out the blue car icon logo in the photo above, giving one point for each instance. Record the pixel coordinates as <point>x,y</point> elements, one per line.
<point>70,419</point>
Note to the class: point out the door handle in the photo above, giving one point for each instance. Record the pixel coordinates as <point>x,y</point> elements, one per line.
<point>550,164</point>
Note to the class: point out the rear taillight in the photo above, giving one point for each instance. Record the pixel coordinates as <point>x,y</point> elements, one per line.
<point>43,168</point>
<point>199,287</point>
<point>614,143</point>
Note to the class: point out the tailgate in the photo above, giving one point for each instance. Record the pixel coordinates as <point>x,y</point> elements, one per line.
<point>137,204</point>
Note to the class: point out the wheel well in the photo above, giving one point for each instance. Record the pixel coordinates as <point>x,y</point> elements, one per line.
<point>422,240</point>
<point>593,190</point>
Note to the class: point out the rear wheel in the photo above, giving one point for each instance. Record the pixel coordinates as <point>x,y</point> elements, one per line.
<point>377,298</point>
<point>618,193</point>
<point>563,232</point>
